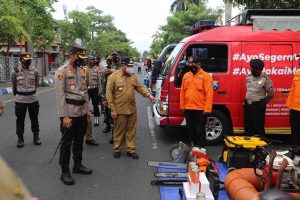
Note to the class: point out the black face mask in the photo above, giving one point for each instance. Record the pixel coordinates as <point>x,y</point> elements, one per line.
<point>78,62</point>
<point>255,72</point>
<point>26,64</point>
<point>194,69</point>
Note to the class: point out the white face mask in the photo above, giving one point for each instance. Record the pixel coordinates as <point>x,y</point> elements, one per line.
<point>129,70</point>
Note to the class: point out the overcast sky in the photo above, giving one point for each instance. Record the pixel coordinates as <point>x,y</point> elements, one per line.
<point>139,19</point>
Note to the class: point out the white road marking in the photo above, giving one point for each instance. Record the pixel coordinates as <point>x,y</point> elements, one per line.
<point>39,92</point>
<point>151,128</point>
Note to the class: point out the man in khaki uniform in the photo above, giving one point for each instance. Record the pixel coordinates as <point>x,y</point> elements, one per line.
<point>259,91</point>
<point>93,81</point>
<point>120,94</point>
<point>11,186</point>
<point>73,110</point>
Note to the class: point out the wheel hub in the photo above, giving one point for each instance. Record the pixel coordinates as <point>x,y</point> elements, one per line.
<point>213,128</point>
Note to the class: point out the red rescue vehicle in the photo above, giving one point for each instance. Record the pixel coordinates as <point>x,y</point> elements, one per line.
<point>225,52</point>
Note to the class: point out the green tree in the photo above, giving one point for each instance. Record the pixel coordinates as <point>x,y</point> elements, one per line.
<point>178,25</point>
<point>26,20</point>
<point>106,42</point>
<point>181,5</point>
<point>65,35</point>
<point>266,4</point>
<point>96,30</point>
<point>99,24</point>
<point>81,22</point>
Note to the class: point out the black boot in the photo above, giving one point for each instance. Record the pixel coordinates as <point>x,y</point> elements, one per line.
<point>66,176</point>
<point>107,128</point>
<point>20,143</point>
<point>80,169</point>
<point>36,139</point>
<point>111,141</point>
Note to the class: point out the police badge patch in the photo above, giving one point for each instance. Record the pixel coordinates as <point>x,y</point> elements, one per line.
<point>60,75</point>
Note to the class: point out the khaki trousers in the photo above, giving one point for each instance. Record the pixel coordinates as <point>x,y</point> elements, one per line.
<point>89,131</point>
<point>125,128</point>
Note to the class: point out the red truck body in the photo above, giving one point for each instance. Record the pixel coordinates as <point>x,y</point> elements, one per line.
<point>225,53</point>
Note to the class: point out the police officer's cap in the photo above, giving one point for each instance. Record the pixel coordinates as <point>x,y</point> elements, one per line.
<point>127,61</point>
<point>26,56</point>
<point>77,49</point>
<point>257,64</point>
<point>194,59</point>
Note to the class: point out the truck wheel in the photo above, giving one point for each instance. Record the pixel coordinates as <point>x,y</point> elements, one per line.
<point>217,126</point>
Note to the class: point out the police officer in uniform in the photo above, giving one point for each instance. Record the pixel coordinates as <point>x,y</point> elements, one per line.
<point>94,86</point>
<point>113,64</point>
<point>120,94</point>
<point>73,109</point>
<point>25,81</point>
<point>90,78</point>
<point>293,103</point>
<point>196,97</point>
<point>259,91</point>
<point>116,59</point>
<point>107,72</point>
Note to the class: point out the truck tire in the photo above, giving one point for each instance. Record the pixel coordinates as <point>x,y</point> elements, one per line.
<point>217,126</point>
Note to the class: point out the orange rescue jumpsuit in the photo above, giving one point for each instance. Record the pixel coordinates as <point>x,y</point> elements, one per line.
<point>293,102</point>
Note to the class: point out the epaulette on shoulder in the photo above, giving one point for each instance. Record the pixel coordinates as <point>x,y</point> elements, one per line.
<point>266,76</point>
<point>35,69</point>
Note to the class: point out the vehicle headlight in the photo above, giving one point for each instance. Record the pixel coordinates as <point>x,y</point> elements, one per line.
<point>162,107</point>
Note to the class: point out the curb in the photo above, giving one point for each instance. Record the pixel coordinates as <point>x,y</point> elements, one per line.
<point>9,90</point>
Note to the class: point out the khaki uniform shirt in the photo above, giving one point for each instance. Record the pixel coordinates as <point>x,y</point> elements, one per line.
<point>25,81</point>
<point>259,88</point>
<point>70,84</point>
<point>11,186</point>
<point>120,92</point>
<point>93,77</point>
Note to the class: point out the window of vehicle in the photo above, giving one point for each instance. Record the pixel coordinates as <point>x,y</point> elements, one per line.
<point>171,60</point>
<point>213,58</point>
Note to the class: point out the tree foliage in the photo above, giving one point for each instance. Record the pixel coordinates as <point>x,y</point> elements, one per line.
<point>178,25</point>
<point>182,5</point>
<point>266,4</point>
<point>96,30</point>
<point>29,20</point>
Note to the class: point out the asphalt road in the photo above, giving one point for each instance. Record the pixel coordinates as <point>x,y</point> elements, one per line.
<point>122,178</point>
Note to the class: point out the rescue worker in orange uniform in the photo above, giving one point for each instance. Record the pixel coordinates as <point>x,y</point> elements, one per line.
<point>196,97</point>
<point>120,94</point>
<point>293,103</point>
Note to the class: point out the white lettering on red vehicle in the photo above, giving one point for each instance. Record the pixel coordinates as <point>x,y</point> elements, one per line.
<point>266,57</point>
<point>268,71</point>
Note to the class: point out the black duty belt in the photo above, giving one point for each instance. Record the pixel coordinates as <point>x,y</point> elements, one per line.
<point>26,93</point>
<point>250,102</point>
<point>75,102</point>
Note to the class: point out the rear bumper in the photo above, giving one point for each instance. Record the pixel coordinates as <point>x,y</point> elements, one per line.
<point>159,120</point>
